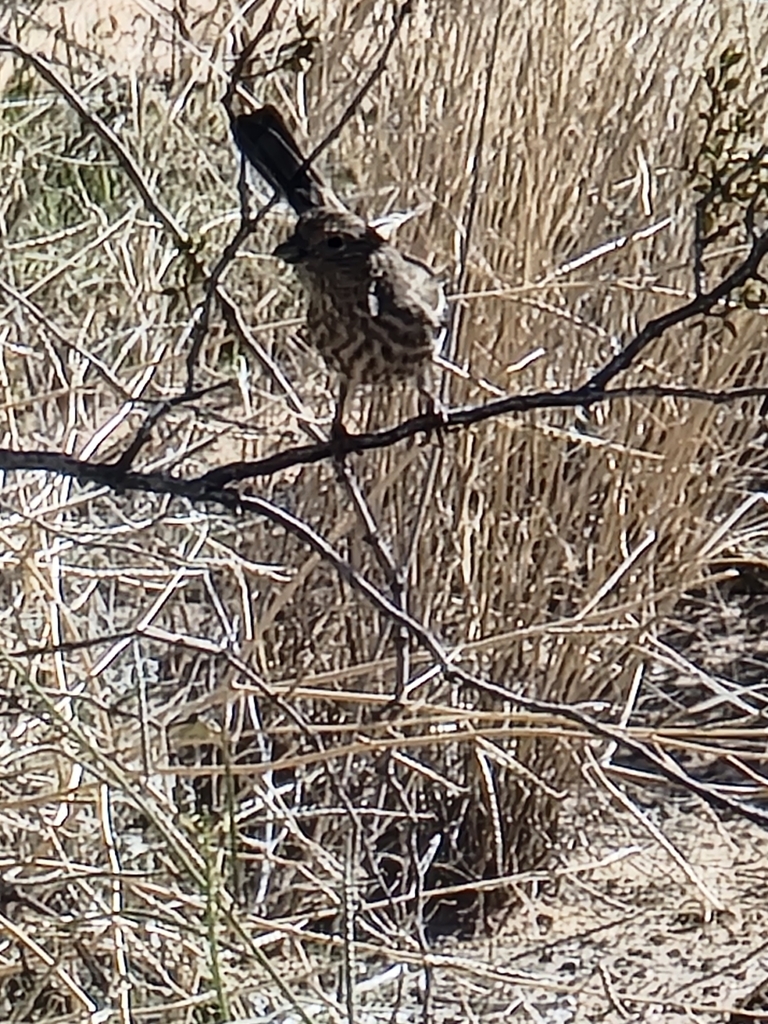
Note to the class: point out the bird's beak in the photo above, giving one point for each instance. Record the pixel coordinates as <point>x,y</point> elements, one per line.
<point>290,251</point>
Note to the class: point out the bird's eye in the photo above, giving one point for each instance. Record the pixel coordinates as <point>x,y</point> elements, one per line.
<point>334,242</point>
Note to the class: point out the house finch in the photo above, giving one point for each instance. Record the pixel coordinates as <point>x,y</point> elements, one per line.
<point>375,315</point>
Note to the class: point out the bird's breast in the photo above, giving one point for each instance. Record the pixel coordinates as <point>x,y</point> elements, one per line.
<point>365,342</point>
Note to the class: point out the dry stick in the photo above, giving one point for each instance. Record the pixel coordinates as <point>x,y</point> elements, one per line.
<point>25,940</point>
<point>710,898</point>
<point>213,484</point>
<point>350,900</point>
<point>245,55</point>
<point>460,278</point>
<point>163,484</point>
<point>462,417</point>
<point>411,548</point>
<point>144,433</point>
<point>378,70</point>
<point>117,901</point>
<point>422,861</point>
<point>211,291</point>
<point>392,574</point>
<point>699,306</point>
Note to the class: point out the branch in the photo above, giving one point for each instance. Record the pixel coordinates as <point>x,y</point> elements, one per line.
<point>211,486</point>
<point>350,444</point>
<point>105,133</point>
<point>699,306</point>
<point>230,499</point>
<point>376,72</point>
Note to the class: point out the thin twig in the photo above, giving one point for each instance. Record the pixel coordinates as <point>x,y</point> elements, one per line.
<point>378,70</point>
<point>698,306</point>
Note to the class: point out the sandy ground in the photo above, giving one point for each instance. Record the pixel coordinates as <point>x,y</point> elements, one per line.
<point>622,929</point>
<point>625,933</point>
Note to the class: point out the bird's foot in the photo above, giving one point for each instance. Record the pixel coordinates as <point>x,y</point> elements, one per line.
<point>339,438</point>
<point>432,408</point>
<point>338,431</point>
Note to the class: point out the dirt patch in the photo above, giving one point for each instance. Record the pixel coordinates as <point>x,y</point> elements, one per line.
<point>625,935</point>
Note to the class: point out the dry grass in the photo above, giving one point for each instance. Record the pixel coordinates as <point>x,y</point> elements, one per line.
<point>221,690</point>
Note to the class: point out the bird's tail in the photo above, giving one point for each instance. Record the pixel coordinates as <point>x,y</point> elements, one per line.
<point>265,139</point>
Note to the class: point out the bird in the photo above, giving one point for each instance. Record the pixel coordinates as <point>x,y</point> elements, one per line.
<point>375,314</point>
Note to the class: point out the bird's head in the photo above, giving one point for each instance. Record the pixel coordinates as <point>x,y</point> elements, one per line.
<point>330,242</point>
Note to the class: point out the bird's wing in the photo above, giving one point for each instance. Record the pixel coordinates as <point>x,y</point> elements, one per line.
<point>408,293</point>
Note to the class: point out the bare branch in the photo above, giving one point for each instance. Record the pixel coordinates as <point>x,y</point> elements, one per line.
<point>699,306</point>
